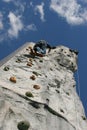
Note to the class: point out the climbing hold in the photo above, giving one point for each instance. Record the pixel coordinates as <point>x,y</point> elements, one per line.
<point>62,110</point>
<point>75,51</point>
<point>6,68</point>
<point>29,64</point>
<point>74,86</point>
<point>36,86</point>
<point>40,60</point>
<point>18,60</point>
<point>57,91</point>
<point>13,79</point>
<point>33,77</point>
<point>30,59</point>
<point>30,47</point>
<point>58,83</point>
<point>29,94</point>
<point>46,76</point>
<point>36,73</point>
<point>83,117</point>
<point>68,55</point>
<point>23,125</point>
<point>61,50</point>
<point>47,101</point>
<point>68,93</point>
<point>27,49</point>
<point>51,69</point>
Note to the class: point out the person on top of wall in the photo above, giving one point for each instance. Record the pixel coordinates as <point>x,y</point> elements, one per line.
<point>40,48</point>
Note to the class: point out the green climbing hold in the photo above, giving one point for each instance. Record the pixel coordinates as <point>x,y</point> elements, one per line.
<point>18,60</point>
<point>68,93</point>
<point>40,60</point>
<point>29,94</point>
<point>36,73</point>
<point>23,125</point>
<point>6,68</point>
<point>83,117</point>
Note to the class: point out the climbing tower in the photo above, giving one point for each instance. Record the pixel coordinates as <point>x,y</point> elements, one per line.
<point>39,93</point>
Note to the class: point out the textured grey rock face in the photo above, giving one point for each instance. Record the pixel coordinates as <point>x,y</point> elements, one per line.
<point>43,95</point>
<point>13,109</point>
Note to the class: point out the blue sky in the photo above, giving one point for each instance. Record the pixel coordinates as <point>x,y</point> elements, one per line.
<point>59,22</point>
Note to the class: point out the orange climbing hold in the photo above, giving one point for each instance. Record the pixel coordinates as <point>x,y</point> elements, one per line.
<point>27,49</point>
<point>29,64</point>
<point>30,59</point>
<point>30,47</point>
<point>36,86</point>
<point>33,77</point>
<point>13,79</point>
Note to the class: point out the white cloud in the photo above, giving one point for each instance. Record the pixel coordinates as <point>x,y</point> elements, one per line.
<point>20,6</point>
<point>1,23</point>
<point>7,0</point>
<point>3,37</point>
<point>40,9</point>
<point>31,27</point>
<point>15,25</point>
<point>31,4</point>
<point>71,10</point>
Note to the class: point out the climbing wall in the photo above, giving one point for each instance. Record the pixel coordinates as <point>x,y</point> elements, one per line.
<point>39,93</point>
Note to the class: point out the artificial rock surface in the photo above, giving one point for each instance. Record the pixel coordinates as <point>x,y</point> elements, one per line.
<point>43,95</point>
